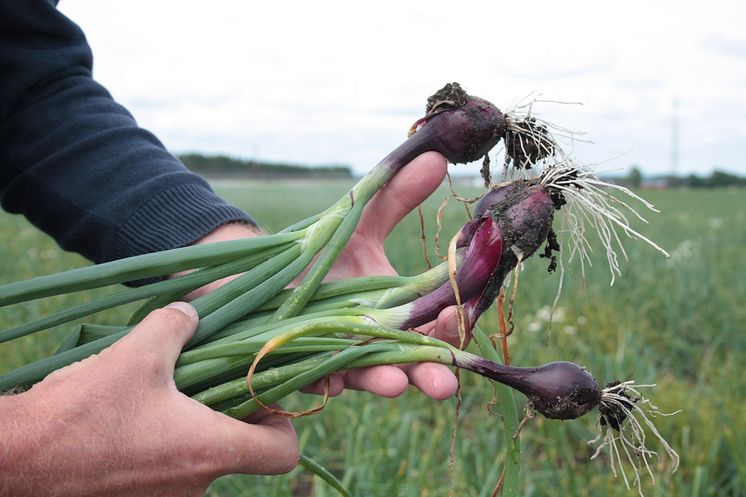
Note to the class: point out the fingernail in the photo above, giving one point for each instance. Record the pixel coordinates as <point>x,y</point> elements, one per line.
<point>184,307</point>
<point>452,328</point>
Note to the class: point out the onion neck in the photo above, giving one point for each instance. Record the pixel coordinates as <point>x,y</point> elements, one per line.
<point>480,259</point>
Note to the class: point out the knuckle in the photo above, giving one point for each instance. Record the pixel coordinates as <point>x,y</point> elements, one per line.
<point>147,368</point>
<point>287,457</point>
<point>170,318</point>
<point>149,361</point>
<point>167,324</point>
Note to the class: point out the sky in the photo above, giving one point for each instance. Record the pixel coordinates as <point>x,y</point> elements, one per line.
<point>340,82</point>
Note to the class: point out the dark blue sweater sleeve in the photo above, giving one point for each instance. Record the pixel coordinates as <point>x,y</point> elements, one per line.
<point>75,162</point>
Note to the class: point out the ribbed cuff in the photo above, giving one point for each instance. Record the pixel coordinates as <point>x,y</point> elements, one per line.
<point>175,218</point>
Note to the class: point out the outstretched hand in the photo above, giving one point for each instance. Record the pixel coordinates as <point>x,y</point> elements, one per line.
<point>364,256</point>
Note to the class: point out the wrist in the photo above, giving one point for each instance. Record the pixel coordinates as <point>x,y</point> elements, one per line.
<point>230,231</point>
<point>57,448</point>
<point>24,446</point>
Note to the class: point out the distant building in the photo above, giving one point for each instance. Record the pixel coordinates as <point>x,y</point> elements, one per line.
<point>659,183</point>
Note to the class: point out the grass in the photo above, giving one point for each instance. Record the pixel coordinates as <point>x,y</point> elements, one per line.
<point>676,322</point>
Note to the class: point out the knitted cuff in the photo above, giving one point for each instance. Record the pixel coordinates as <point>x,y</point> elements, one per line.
<point>175,218</point>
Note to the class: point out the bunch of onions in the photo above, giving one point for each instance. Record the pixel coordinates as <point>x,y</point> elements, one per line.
<point>258,341</point>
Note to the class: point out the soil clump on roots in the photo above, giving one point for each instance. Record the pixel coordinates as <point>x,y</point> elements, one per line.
<point>613,415</point>
<point>526,143</point>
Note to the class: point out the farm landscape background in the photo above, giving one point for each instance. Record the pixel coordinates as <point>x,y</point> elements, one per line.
<point>677,322</point>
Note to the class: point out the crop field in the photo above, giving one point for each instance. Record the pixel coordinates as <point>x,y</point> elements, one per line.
<point>677,322</point>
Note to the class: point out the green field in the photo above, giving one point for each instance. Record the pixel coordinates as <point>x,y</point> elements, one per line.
<point>676,322</point>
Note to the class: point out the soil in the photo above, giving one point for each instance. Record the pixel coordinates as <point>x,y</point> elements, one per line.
<point>551,246</point>
<point>451,96</point>
<point>558,198</point>
<point>528,144</point>
<point>612,414</point>
<point>572,406</point>
<point>485,171</point>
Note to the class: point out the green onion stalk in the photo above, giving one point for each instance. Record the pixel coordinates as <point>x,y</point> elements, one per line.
<point>558,390</point>
<point>364,322</point>
<point>258,341</point>
<point>463,129</point>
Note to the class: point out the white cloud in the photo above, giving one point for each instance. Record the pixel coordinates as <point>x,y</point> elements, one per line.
<point>324,82</point>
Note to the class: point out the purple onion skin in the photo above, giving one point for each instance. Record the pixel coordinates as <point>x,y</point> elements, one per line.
<point>466,233</point>
<point>524,212</point>
<point>462,135</point>
<point>526,220</point>
<point>518,221</point>
<point>496,196</point>
<point>558,390</point>
<point>465,134</point>
<point>481,257</point>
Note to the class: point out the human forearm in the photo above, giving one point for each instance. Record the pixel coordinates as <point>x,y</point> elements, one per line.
<point>75,162</point>
<point>18,445</point>
<point>97,183</point>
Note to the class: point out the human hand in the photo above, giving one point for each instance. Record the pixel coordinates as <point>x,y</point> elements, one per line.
<point>115,424</point>
<point>364,256</point>
<point>230,231</point>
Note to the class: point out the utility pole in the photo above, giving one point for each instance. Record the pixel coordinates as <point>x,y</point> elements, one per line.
<point>675,136</point>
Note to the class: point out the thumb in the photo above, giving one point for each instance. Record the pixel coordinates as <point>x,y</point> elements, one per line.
<point>447,327</point>
<point>163,332</point>
<point>265,444</point>
<point>406,190</point>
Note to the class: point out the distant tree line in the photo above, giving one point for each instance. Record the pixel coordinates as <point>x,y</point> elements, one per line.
<point>717,179</point>
<point>224,166</point>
